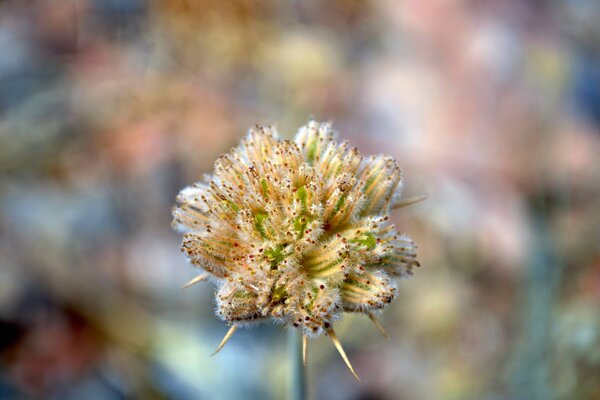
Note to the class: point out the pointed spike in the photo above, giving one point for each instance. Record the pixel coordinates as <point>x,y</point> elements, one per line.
<point>230,332</point>
<point>378,325</point>
<point>199,278</point>
<point>304,346</point>
<point>340,350</point>
<point>409,201</point>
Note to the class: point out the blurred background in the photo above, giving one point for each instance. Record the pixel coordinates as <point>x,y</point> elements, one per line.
<point>109,107</point>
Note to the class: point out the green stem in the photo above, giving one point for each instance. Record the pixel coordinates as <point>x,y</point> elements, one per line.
<point>298,377</point>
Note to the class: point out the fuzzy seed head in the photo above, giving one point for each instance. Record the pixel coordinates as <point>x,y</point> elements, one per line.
<point>296,231</point>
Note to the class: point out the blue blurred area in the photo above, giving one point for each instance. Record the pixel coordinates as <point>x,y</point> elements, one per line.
<point>109,107</point>
<point>586,87</point>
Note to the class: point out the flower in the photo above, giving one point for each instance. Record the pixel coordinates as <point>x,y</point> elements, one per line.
<point>296,231</point>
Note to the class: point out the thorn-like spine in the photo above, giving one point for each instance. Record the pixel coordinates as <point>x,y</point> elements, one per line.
<point>304,348</point>
<point>340,350</point>
<point>197,279</point>
<point>410,201</point>
<point>378,325</point>
<point>226,338</point>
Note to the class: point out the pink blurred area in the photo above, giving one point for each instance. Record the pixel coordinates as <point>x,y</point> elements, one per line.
<point>109,107</point>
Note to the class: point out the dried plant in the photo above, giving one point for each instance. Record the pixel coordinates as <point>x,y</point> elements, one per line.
<point>296,231</point>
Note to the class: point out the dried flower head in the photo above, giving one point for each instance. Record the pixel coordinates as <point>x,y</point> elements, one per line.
<point>296,231</point>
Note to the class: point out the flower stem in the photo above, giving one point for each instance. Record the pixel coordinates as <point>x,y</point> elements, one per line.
<point>298,377</point>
